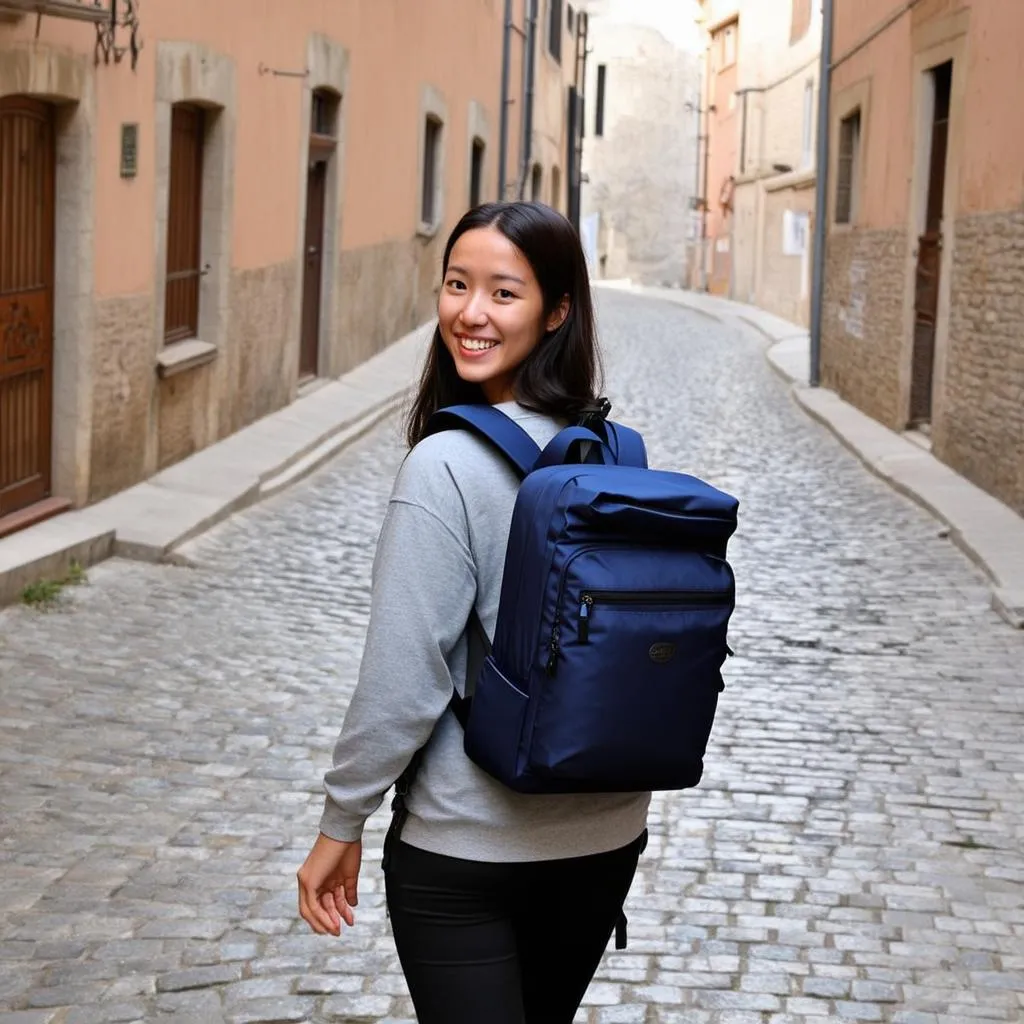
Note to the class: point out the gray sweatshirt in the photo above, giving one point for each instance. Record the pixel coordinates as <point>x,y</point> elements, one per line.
<point>441,551</point>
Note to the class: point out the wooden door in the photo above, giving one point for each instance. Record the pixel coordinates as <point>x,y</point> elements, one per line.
<point>26,301</point>
<point>316,202</point>
<point>929,257</point>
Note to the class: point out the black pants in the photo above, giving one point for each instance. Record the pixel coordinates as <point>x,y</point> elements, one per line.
<point>503,943</point>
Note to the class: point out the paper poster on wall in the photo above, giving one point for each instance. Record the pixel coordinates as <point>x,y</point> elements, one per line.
<point>796,231</point>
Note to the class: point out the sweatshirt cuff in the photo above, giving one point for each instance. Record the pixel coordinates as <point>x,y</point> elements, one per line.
<point>336,824</point>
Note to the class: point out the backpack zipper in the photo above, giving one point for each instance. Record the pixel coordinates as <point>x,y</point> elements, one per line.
<point>638,597</point>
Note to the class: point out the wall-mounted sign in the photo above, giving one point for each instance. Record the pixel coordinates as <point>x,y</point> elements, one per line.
<point>129,150</point>
<point>796,232</point>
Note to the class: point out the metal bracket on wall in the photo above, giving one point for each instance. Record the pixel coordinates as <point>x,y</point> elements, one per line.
<point>124,14</point>
<point>263,69</point>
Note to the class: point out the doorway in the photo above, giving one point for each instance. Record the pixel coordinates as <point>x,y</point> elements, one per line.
<point>27,174</point>
<point>312,280</point>
<point>322,146</point>
<point>929,252</point>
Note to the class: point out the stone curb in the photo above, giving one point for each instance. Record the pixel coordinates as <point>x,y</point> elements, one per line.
<point>990,533</point>
<point>153,518</point>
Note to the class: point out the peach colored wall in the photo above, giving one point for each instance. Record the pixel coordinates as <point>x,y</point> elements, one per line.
<point>394,46</point>
<point>990,176</point>
<point>992,156</point>
<point>723,143</point>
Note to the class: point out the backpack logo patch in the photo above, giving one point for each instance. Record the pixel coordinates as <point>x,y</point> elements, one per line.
<point>663,653</point>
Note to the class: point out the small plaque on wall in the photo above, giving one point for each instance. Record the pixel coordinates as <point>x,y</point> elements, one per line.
<point>129,150</point>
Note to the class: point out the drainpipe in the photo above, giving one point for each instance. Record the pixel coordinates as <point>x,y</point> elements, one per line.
<point>506,58</point>
<point>709,107</point>
<point>821,192</point>
<point>531,45</point>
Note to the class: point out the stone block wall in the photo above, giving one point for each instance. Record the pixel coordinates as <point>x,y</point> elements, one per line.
<point>862,326</point>
<point>379,297</point>
<point>122,396</point>
<point>980,431</point>
<point>784,288</point>
<point>261,367</point>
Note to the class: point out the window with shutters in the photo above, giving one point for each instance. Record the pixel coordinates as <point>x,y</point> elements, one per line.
<point>476,174</point>
<point>184,223</point>
<point>848,173</point>
<point>430,203</point>
<point>555,29</point>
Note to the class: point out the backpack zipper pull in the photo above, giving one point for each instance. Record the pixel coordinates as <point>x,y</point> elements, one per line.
<point>586,604</point>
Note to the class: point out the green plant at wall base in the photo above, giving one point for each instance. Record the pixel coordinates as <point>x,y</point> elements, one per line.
<point>45,592</point>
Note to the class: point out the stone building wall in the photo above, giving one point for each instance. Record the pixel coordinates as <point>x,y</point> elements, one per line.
<point>863,320</point>
<point>981,431</point>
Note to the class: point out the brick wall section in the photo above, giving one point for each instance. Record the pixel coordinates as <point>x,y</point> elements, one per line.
<point>981,430</point>
<point>863,320</point>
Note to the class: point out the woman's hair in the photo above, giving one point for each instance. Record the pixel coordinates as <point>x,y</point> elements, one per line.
<point>562,375</point>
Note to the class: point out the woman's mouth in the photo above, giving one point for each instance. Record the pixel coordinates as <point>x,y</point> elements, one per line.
<point>476,344</point>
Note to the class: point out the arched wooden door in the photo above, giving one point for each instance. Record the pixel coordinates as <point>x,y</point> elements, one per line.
<point>26,301</point>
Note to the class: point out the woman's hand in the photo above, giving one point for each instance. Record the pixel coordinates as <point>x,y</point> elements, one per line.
<point>328,884</point>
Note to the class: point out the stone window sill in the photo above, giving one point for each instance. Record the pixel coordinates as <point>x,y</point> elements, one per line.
<point>184,355</point>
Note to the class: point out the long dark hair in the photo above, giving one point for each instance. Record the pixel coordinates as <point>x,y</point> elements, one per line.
<point>561,377</point>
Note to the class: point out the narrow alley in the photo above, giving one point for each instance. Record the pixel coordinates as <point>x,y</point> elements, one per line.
<point>855,851</point>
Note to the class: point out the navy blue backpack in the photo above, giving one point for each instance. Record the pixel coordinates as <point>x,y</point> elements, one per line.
<point>605,668</point>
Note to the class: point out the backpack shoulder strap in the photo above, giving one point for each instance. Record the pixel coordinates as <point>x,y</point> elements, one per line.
<point>492,425</point>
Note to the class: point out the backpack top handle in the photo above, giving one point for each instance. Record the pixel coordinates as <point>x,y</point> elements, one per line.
<point>566,447</point>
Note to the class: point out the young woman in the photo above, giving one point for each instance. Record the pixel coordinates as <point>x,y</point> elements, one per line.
<point>501,903</point>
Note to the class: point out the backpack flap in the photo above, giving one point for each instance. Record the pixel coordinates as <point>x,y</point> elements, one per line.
<point>669,506</point>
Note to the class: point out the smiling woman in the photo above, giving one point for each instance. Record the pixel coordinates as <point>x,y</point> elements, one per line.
<point>515,317</point>
<point>491,311</point>
<point>468,860</point>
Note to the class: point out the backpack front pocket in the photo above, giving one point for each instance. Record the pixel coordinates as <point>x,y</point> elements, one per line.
<point>636,685</point>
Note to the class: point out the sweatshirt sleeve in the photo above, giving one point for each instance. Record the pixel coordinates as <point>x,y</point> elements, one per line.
<point>424,587</point>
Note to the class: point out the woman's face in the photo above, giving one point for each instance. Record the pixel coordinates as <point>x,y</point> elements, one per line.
<point>491,311</point>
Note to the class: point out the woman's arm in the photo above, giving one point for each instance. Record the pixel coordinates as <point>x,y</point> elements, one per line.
<point>424,586</point>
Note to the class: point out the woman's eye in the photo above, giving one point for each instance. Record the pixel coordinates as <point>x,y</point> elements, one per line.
<point>457,285</point>
<point>504,293</point>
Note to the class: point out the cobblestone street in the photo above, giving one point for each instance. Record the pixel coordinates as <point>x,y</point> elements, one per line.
<point>854,853</point>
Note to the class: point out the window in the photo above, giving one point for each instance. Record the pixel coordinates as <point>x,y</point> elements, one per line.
<point>556,187</point>
<point>801,21</point>
<point>599,105</point>
<point>536,183</point>
<point>555,29</point>
<point>324,113</point>
<point>570,17</point>
<point>431,170</point>
<point>476,173</point>
<point>847,178</point>
<point>729,45</point>
<point>184,223</point>
<point>807,134</point>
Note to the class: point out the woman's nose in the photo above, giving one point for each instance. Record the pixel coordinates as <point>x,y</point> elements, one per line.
<point>473,312</point>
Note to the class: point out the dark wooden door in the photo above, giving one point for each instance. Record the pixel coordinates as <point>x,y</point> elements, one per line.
<point>26,301</point>
<point>316,201</point>
<point>929,257</point>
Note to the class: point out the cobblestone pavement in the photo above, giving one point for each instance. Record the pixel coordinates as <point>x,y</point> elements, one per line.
<point>855,852</point>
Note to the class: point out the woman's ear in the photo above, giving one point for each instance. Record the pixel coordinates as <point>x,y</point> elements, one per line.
<point>557,318</point>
